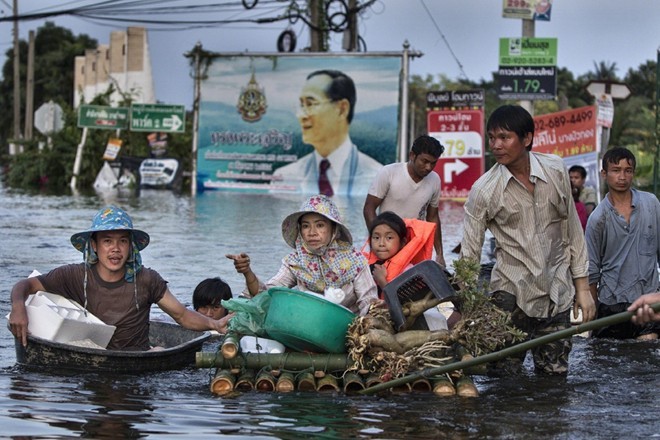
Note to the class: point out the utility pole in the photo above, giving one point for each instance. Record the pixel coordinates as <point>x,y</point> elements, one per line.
<point>605,91</point>
<point>656,163</point>
<point>403,136</point>
<point>197,78</point>
<point>17,78</point>
<point>29,89</point>
<point>317,29</point>
<point>528,28</point>
<point>351,33</point>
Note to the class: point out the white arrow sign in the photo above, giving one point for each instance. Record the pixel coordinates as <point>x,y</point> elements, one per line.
<point>172,123</point>
<point>456,167</point>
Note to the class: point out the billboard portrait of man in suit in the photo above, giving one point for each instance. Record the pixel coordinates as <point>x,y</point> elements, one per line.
<point>325,111</point>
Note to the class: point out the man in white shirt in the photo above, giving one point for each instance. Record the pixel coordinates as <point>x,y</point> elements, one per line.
<point>410,189</point>
<point>325,112</point>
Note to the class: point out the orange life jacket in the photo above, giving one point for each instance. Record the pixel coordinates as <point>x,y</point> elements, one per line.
<point>418,247</point>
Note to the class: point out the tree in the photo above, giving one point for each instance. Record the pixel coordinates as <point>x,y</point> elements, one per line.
<point>603,71</point>
<point>55,52</point>
<point>572,89</point>
<point>642,81</point>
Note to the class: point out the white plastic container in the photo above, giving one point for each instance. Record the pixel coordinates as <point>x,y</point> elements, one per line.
<point>435,320</point>
<point>253,344</point>
<point>57,319</point>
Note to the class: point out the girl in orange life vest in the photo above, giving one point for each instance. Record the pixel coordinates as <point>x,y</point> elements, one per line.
<point>396,245</point>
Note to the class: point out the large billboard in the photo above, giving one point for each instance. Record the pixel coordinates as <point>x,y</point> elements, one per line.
<point>266,124</point>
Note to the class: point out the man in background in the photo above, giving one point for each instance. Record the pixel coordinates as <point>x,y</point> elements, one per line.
<point>624,246</point>
<point>586,194</point>
<point>336,166</point>
<point>410,189</point>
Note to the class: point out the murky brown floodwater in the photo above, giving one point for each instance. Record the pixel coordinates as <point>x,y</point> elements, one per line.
<point>611,391</point>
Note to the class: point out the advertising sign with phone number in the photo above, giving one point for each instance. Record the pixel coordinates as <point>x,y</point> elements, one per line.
<point>572,135</point>
<point>566,133</point>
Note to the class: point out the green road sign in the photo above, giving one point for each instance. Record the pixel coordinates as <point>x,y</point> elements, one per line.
<point>528,51</point>
<point>158,117</point>
<point>101,116</point>
<point>526,83</point>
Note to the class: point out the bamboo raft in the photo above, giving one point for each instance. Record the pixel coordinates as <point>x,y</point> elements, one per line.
<point>380,360</point>
<point>308,372</point>
<point>378,348</point>
<point>226,382</point>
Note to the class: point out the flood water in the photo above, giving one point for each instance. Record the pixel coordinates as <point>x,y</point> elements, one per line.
<point>610,392</point>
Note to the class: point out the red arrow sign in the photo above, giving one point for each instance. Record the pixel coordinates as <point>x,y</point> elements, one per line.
<point>461,132</point>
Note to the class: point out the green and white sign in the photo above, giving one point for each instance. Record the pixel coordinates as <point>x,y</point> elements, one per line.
<point>101,116</point>
<point>528,51</point>
<point>528,83</point>
<point>158,117</point>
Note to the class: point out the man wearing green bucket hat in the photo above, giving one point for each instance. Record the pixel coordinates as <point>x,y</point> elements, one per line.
<point>112,284</point>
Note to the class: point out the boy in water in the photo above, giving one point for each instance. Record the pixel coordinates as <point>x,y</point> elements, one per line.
<point>208,295</point>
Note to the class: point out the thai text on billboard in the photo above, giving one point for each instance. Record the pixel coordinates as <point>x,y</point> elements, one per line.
<point>573,135</point>
<point>566,133</point>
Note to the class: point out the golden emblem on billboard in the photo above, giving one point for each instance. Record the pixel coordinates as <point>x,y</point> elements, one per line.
<point>252,101</point>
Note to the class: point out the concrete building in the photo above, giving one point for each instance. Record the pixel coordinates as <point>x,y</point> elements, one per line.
<point>125,64</point>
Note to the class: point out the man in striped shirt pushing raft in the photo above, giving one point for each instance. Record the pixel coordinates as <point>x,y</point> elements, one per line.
<point>541,266</point>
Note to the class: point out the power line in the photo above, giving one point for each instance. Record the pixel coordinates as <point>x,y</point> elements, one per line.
<point>130,11</point>
<point>460,66</point>
<point>156,13</point>
<point>161,15</point>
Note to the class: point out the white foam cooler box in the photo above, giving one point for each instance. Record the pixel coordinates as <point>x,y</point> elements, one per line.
<point>253,344</point>
<point>58,319</point>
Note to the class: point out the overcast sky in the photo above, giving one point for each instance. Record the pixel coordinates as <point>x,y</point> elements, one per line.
<point>458,38</point>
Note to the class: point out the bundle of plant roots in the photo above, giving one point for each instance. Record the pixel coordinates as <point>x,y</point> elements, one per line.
<point>484,328</point>
<point>375,347</point>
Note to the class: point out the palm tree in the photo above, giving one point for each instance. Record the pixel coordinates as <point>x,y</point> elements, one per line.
<point>603,71</point>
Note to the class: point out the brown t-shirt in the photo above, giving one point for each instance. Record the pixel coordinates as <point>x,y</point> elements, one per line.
<point>113,303</point>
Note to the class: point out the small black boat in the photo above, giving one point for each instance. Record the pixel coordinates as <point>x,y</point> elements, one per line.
<point>179,348</point>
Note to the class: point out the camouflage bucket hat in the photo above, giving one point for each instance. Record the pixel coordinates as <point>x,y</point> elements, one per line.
<point>111,218</point>
<point>318,204</point>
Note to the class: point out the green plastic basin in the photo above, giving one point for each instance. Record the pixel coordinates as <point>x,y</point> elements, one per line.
<point>306,322</point>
